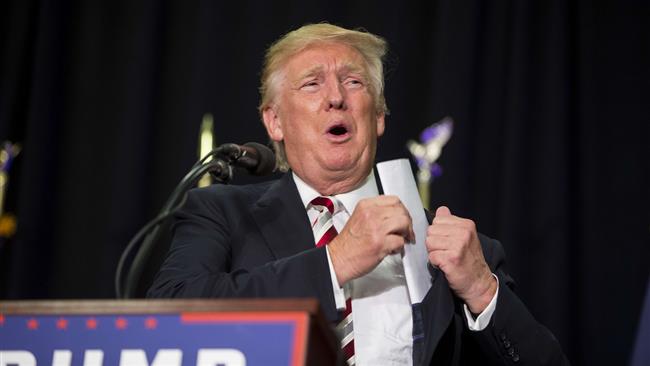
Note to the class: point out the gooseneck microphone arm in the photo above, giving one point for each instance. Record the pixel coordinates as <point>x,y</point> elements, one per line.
<point>256,158</point>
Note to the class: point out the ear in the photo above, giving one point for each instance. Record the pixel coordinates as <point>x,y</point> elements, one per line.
<point>381,125</point>
<point>272,123</point>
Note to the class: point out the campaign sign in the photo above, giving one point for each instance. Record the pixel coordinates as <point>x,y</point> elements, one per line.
<point>196,338</point>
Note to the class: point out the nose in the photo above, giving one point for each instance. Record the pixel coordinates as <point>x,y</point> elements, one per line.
<point>335,96</point>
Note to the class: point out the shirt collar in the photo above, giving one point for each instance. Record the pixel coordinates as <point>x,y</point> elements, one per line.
<point>349,200</point>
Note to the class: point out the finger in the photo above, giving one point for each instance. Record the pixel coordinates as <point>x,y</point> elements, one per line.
<point>445,259</point>
<point>454,220</point>
<point>443,215</point>
<point>410,236</point>
<point>394,243</point>
<point>388,207</point>
<point>395,208</point>
<point>385,200</point>
<point>411,233</point>
<point>388,201</point>
<point>389,210</point>
<point>451,220</point>
<point>439,243</point>
<point>443,211</point>
<point>398,251</point>
<point>400,225</point>
<point>438,258</point>
<point>448,230</point>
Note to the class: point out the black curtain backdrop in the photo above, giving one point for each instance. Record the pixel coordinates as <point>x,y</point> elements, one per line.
<point>549,154</point>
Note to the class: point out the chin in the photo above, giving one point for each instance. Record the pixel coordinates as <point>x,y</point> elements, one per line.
<point>343,161</point>
<point>348,167</point>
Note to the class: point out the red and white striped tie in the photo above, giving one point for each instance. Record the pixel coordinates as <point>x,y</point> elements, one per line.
<point>325,232</point>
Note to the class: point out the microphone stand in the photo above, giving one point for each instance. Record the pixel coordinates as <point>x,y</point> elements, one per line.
<point>222,172</point>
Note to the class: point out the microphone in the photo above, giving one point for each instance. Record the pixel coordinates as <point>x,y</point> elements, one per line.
<point>256,158</point>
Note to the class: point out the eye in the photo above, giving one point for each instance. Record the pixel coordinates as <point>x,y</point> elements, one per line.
<point>353,82</point>
<point>310,85</point>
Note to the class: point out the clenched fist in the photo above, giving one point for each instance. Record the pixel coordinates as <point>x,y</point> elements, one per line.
<point>379,226</point>
<point>453,246</point>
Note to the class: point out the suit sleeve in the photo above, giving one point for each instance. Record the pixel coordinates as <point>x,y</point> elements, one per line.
<point>513,336</point>
<point>216,253</point>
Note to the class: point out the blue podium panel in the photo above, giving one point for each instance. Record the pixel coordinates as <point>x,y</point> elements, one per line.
<point>193,338</point>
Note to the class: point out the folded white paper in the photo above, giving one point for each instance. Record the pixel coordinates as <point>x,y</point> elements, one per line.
<point>397,179</point>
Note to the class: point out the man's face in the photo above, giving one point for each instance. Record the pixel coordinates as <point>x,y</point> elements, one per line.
<point>325,114</point>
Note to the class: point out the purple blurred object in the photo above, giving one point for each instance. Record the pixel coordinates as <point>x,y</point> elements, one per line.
<point>435,130</point>
<point>428,150</point>
<point>435,169</point>
<point>9,151</point>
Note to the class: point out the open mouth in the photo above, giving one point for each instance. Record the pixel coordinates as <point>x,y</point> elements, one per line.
<point>338,130</point>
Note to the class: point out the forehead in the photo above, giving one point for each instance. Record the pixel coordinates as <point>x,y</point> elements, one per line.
<point>324,57</point>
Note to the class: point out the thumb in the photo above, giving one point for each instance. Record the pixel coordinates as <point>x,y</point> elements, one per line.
<point>443,211</point>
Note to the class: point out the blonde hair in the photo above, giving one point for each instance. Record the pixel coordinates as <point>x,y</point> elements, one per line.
<point>371,47</point>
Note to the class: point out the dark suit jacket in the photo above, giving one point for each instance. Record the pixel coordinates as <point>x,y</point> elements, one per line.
<point>256,241</point>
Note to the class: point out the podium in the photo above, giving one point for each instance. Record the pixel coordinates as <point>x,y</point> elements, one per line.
<point>166,333</point>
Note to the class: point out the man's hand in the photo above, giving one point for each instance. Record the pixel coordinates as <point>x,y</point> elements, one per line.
<point>379,226</point>
<point>454,247</point>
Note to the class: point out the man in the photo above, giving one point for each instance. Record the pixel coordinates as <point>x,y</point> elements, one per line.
<point>323,107</point>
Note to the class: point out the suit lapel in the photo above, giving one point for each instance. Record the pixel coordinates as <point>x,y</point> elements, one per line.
<point>438,311</point>
<point>282,219</point>
<point>438,308</point>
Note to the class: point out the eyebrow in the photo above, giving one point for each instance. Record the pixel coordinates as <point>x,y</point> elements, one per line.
<point>346,68</point>
<point>310,72</point>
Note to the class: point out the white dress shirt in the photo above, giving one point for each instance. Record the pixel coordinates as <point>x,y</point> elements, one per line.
<point>381,308</point>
